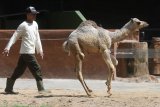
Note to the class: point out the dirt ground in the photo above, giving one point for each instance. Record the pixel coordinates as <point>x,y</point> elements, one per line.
<point>124,95</point>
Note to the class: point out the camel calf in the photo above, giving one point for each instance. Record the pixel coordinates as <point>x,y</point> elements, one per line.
<point>90,38</point>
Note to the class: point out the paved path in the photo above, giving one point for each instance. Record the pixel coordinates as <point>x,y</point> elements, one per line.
<point>75,85</point>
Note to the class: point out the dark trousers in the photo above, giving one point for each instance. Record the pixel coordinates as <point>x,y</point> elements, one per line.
<point>30,61</point>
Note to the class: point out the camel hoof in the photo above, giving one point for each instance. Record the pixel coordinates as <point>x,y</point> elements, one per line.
<point>90,90</point>
<point>109,95</point>
<point>91,95</point>
<point>108,91</point>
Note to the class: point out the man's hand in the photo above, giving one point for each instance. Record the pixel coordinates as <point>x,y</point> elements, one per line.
<point>5,52</point>
<point>41,54</point>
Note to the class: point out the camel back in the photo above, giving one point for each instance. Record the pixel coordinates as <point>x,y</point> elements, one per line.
<point>88,23</point>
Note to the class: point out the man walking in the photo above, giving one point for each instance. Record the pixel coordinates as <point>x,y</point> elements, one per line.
<point>28,31</point>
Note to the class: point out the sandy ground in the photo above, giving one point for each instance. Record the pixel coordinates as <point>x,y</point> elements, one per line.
<point>69,93</point>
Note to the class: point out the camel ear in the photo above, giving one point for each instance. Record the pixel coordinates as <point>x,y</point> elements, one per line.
<point>132,19</point>
<point>138,23</point>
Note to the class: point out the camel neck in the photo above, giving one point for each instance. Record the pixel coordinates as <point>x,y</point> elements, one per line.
<point>119,35</point>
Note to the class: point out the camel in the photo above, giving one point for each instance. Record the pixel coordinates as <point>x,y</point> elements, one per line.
<point>88,37</point>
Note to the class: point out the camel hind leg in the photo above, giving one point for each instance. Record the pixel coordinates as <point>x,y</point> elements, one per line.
<point>79,51</point>
<point>114,60</point>
<point>78,69</point>
<point>111,69</point>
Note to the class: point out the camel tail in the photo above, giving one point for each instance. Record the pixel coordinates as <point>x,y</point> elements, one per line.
<point>66,47</point>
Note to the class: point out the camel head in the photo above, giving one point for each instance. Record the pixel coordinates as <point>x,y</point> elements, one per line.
<point>136,24</point>
<point>140,24</point>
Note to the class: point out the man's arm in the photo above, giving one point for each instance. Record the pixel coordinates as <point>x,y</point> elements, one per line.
<point>39,45</point>
<point>13,39</point>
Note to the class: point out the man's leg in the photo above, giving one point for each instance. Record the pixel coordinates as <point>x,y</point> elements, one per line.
<point>19,70</point>
<point>35,69</point>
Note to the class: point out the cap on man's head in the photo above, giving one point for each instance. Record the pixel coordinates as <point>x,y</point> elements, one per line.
<point>32,10</point>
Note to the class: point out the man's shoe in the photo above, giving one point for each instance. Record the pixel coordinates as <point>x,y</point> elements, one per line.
<point>44,92</point>
<point>41,89</point>
<point>11,92</point>
<point>9,86</point>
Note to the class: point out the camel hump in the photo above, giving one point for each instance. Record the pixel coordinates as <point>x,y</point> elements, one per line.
<point>88,23</point>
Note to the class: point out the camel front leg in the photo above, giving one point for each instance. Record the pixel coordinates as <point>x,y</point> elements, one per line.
<point>87,87</point>
<point>80,76</point>
<point>115,63</point>
<point>111,69</point>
